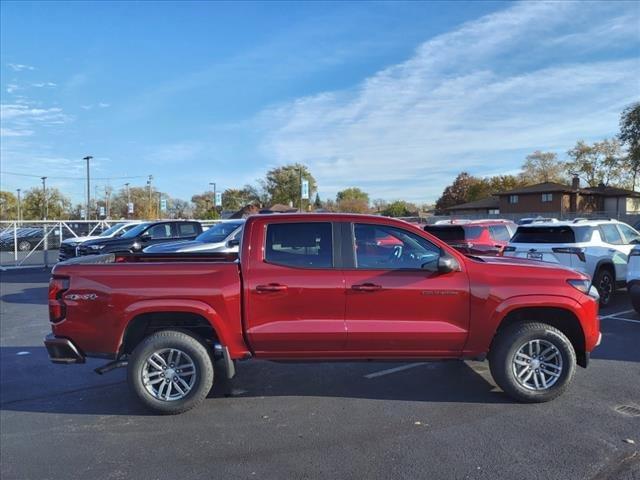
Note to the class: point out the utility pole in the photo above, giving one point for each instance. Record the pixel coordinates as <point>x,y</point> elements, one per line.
<point>126,185</point>
<point>86,212</point>
<point>300,191</point>
<point>107,201</point>
<point>44,198</point>
<point>214,196</point>
<point>150,200</point>
<point>19,206</point>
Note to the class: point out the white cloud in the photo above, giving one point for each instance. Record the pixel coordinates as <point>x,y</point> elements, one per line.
<point>20,119</point>
<point>44,84</point>
<point>476,98</point>
<point>104,105</point>
<point>12,88</point>
<point>19,67</point>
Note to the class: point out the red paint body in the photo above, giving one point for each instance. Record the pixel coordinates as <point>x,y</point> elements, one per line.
<point>278,312</point>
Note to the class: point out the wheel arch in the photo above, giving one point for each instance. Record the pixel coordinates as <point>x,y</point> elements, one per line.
<point>556,316</point>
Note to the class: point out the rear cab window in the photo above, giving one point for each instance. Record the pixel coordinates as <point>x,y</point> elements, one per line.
<point>300,245</point>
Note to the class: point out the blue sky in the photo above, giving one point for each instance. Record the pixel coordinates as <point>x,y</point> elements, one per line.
<point>395,98</point>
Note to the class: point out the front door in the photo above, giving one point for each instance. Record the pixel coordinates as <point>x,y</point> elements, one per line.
<point>294,297</point>
<point>398,304</point>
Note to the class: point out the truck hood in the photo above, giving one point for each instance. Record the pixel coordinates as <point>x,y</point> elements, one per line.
<point>77,240</point>
<point>523,262</point>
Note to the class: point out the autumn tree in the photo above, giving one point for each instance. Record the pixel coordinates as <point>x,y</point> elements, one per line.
<point>599,163</point>
<point>541,167</point>
<point>459,191</point>
<point>8,206</point>
<point>630,137</point>
<point>353,200</point>
<point>282,184</point>
<point>237,198</point>
<point>57,205</point>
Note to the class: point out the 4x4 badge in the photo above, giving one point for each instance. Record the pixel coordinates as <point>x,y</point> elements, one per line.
<point>77,296</point>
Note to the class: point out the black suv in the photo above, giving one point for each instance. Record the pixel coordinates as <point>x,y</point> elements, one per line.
<point>142,236</point>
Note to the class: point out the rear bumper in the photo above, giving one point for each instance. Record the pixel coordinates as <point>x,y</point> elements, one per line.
<point>62,350</point>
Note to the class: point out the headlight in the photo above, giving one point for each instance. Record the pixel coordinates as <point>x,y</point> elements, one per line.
<point>96,247</point>
<point>136,246</point>
<point>582,285</point>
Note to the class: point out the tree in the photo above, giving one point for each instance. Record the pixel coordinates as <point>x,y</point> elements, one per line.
<point>8,206</point>
<point>353,200</point>
<point>142,207</point>
<point>630,137</point>
<point>399,208</point>
<point>237,198</point>
<point>282,184</point>
<point>459,191</point>
<point>380,204</point>
<point>317,203</point>
<point>542,167</point>
<point>600,163</point>
<point>203,206</point>
<point>58,206</point>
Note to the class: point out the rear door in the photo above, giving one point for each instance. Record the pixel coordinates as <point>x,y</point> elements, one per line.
<point>398,304</point>
<point>618,238</point>
<point>295,296</point>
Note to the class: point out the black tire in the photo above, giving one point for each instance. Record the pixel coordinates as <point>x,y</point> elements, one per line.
<point>503,352</point>
<point>605,282</point>
<point>187,344</point>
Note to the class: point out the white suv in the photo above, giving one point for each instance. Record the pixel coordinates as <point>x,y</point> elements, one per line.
<point>599,248</point>
<point>633,277</point>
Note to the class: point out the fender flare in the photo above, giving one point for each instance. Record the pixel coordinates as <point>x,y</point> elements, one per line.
<point>175,305</point>
<point>605,262</point>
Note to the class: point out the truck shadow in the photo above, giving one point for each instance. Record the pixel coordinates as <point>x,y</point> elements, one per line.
<point>30,383</point>
<point>28,296</point>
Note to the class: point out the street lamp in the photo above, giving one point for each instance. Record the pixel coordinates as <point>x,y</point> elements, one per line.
<point>44,198</point>
<point>215,205</point>
<point>86,212</point>
<point>19,206</point>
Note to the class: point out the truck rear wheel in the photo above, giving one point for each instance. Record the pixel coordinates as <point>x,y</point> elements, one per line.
<point>170,372</point>
<point>532,362</point>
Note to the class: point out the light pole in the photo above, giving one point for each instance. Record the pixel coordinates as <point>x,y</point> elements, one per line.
<point>19,206</point>
<point>150,200</point>
<point>44,198</point>
<point>86,212</point>
<point>214,196</point>
<point>128,199</point>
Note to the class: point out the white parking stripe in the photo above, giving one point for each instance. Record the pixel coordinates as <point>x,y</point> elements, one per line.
<point>393,370</point>
<point>618,314</point>
<point>621,319</point>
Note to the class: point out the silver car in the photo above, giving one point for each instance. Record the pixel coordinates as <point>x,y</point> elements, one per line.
<point>223,237</point>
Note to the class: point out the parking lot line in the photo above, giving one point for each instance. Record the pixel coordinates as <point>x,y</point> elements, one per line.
<point>393,370</point>
<point>621,319</point>
<point>617,314</point>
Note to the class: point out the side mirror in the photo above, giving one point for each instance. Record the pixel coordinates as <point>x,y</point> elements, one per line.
<point>234,242</point>
<point>447,264</point>
<point>145,236</point>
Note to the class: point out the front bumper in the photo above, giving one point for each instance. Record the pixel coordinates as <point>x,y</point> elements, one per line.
<point>62,350</point>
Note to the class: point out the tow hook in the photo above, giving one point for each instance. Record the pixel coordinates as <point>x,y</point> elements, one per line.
<point>111,366</point>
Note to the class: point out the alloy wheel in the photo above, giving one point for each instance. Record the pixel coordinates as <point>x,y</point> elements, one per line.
<point>537,365</point>
<point>169,374</point>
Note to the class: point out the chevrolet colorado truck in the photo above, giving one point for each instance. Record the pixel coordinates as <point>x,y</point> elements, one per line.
<point>321,287</point>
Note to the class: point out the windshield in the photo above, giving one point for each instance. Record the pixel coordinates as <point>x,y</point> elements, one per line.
<point>135,231</point>
<point>111,230</point>
<point>218,232</point>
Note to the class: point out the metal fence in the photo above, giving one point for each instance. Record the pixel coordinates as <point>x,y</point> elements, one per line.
<point>37,242</point>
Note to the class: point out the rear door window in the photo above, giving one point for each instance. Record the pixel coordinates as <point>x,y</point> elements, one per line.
<point>500,233</point>
<point>160,231</point>
<point>544,235</point>
<point>187,230</point>
<point>610,234</point>
<point>302,245</point>
<point>630,235</point>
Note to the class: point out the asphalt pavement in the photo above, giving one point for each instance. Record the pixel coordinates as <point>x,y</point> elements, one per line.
<point>315,420</point>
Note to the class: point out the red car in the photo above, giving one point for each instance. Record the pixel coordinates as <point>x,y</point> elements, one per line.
<point>321,287</point>
<point>478,237</point>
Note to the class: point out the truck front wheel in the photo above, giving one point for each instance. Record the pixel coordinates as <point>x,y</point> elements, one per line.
<point>170,372</point>
<point>532,362</point>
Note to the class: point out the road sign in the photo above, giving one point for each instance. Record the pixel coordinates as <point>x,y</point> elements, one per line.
<point>130,207</point>
<point>102,212</point>
<point>163,204</point>
<point>83,213</point>
<point>305,189</point>
<point>217,201</point>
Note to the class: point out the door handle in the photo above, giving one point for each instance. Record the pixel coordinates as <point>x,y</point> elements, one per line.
<point>272,287</point>
<point>366,287</point>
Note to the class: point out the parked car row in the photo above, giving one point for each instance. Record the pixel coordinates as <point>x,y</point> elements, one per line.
<point>599,248</point>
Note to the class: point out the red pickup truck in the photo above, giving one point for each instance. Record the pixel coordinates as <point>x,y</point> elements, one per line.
<point>321,287</point>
